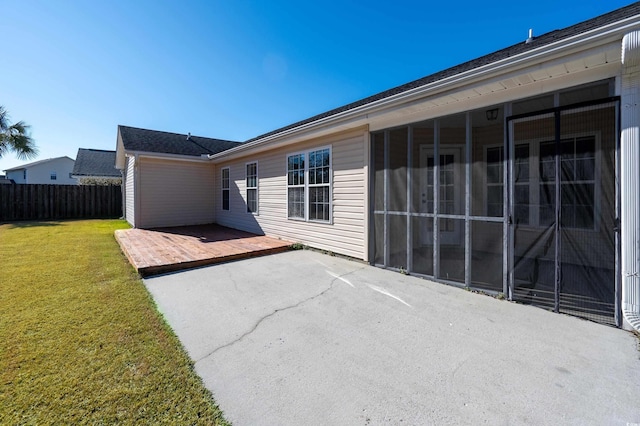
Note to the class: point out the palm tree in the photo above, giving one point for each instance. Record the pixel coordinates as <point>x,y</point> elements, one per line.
<point>15,137</point>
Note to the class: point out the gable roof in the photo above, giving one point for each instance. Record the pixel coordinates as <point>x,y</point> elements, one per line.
<point>516,49</point>
<point>35,163</point>
<point>95,162</point>
<point>143,140</point>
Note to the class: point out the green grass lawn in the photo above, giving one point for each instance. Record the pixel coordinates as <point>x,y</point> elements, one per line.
<point>80,338</point>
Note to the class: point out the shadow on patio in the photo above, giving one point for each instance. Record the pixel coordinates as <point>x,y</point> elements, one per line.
<point>162,250</point>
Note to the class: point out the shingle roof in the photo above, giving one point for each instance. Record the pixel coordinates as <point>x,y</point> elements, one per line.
<point>24,166</point>
<point>95,162</point>
<point>143,140</point>
<point>545,39</point>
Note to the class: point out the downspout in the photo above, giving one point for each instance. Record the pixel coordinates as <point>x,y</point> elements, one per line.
<point>122,192</point>
<point>630,180</point>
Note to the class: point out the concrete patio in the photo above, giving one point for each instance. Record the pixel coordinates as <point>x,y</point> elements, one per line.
<point>302,338</point>
<point>164,250</point>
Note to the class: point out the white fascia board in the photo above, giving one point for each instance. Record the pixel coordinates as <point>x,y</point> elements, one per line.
<point>321,130</point>
<point>163,156</point>
<point>595,38</point>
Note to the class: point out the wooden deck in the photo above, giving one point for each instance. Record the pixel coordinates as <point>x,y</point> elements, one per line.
<point>170,249</point>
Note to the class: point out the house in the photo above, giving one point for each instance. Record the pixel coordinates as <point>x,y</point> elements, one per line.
<point>516,173</point>
<point>167,177</point>
<point>52,171</point>
<point>5,181</point>
<point>95,164</point>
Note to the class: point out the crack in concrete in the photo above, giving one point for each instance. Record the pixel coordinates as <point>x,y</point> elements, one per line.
<point>257,324</point>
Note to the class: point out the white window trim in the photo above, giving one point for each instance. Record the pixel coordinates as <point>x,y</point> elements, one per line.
<point>228,188</point>
<point>307,185</point>
<point>247,188</point>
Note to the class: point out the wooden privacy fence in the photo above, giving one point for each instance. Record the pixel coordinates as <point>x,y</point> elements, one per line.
<point>39,202</point>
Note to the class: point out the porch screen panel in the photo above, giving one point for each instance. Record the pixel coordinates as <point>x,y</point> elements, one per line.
<point>487,249</point>
<point>451,167</point>
<point>488,161</point>
<point>452,171</point>
<point>377,140</point>
<point>588,212</point>
<point>422,251</point>
<point>451,250</point>
<point>422,168</point>
<point>397,189</point>
<point>378,235</point>
<point>533,212</point>
<point>422,198</point>
<point>397,198</point>
<point>397,237</point>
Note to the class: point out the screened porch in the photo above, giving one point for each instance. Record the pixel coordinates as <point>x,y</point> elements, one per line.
<point>518,198</point>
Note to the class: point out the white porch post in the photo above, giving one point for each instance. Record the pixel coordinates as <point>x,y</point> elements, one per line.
<point>630,180</point>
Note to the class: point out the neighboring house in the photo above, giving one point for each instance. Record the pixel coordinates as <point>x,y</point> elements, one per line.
<point>96,164</point>
<point>502,174</point>
<point>53,171</point>
<point>4,180</point>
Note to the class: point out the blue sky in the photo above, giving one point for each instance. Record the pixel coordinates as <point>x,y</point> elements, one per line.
<point>234,69</point>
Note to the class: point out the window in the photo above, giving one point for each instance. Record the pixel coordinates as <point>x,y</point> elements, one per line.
<point>225,188</point>
<point>577,182</point>
<point>24,174</point>
<point>309,185</point>
<point>319,171</point>
<point>54,176</point>
<point>295,186</point>
<point>521,185</point>
<point>495,181</point>
<point>252,187</point>
<point>534,182</point>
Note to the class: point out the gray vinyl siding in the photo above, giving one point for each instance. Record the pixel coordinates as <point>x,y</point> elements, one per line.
<point>129,191</point>
<point>347,232</point>
<point>175,193</point>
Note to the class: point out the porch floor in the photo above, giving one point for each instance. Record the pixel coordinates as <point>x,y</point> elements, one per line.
<point>162,250</point>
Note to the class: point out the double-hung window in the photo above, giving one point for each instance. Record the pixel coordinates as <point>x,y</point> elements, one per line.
<point>534,182</point>
<point>296,186</point>
<point>495,181</point>
<point>225,188</point>
<point>252,187</point>
<point>309,185</point>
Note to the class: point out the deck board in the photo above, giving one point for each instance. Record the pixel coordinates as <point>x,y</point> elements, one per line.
<point>164,250</point>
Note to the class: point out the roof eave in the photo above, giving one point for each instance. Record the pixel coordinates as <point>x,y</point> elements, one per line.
<point>165,156</point>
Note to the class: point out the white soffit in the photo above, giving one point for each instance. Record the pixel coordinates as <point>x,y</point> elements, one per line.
<point>502,86</point>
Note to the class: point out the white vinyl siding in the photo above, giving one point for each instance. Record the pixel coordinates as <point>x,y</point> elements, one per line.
<point>346,234</point>
<point>175,193</point>
<point>129,191</point>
